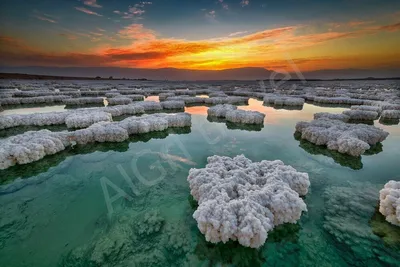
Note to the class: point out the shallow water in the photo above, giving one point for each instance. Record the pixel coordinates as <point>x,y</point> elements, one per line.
<point>24,110</point>
<point>129,204</point>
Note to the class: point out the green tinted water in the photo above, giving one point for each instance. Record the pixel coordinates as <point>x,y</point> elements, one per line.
<point>129,204</point>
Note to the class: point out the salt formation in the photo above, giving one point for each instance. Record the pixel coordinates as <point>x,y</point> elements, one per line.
<point>29,147</point>
<point>112,94</point>
<point>339,100</point>
<point>187,99</point>
<point>283,101</point>
<point>361,115</point>
<point>85,119</point>
<point>241,200</point>
<point>232,114</point>
<point>119,100</point>
<point>331,116</point>
<point>164,96</point>
<point>367,108</point>
<point>120,110</point>
<point>244,116</point>
<point>56,118</point>
<point>33,100</point>
<point>220,110</point>
<point>34,145</point>
<point>390,202</point>
<point>226,100</point>
<point>135,97</point>
<point>83,100</point>
<point>173,104</point>
<point>36,119</point>
<point>347,138</point>
<point>149,106</point>
<point>390,114</point>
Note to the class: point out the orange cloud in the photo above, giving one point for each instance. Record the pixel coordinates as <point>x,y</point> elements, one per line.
<point>390,28</point>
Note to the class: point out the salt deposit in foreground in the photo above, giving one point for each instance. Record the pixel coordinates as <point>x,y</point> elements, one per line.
<point>241,200</point>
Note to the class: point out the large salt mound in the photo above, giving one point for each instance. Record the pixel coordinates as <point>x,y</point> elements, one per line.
<point>220,110</point>
<point>33,146</point>
<point>390,202</point>
<point>361,115</point>
<point>245,117</point>
<point>241,200</point>
<point>347,138</point>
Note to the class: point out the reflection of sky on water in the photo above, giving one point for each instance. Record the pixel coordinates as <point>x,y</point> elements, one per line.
<point>278,116</point>
<point>197,110</point>
<point>152,98</point>
<point>282,116</point>
<point>203,96</point>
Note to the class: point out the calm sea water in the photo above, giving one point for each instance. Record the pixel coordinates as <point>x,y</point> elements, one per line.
<point>129,204</point>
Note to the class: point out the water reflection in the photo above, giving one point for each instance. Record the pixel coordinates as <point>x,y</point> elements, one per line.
<point>4,133</point>
<point>389,122</point>
<point>345,160</point>
<point>196,110</point>
<point>237,126</point>
<point>284,107</point>
<point>29,109</point>
<point>152,98</point>
<point>280,116</point>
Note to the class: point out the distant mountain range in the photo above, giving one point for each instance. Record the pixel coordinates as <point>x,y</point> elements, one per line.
<point>198,75</point>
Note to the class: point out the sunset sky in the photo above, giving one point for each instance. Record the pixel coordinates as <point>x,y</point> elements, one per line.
<point>201,34</point>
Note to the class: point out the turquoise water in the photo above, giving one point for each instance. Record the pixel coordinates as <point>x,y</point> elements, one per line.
<point>129,204</point>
